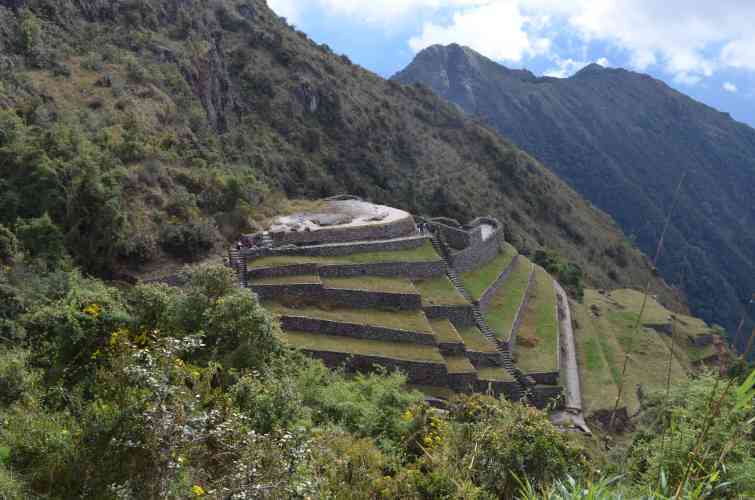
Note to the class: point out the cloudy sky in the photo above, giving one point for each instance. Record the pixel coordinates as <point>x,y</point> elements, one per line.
<point>704,48</point>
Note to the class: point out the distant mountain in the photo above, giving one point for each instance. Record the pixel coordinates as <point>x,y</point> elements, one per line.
<point>624,140</point>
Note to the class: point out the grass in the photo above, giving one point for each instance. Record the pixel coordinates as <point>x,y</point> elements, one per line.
<point>347,345</point>
<point>495,373</point>
<point>439,292</point>
<point>297,279</point>
<point>479,280</point>
<point>506,301</point>
<point>412,321</point>
<point>604,334</point>
<point>445,332</point>
<point>537,339</point>
<point>475,340</point>
<point>459,364</point>
<point>424,253</point>
<point>372,284</point>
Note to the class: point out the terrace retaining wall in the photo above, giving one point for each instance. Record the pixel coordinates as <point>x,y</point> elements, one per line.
<point>484,359</point>
<point>417,372</point>
<point>344,329</point>
<point>496,387</point>
<point>340,249</point>
<point>271,292</point>
<point>364,299</point>
<point>489,294</point>
<point>412,270</point>
<point>544,396</point>
<point>545,378</point>
<point>280,271</point>
<point>460,316</point>
<point>452,348</point>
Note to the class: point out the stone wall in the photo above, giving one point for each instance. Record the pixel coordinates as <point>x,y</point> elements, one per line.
<point>412,270</point>
<point>545,378</point>
<point>483,359</point>
<point>461,316</point>
<point>478,255</point>
<point>343,329</point>
<point>452,348</point>
<point>542,397</point>
<point>362,299</point>
<point>358,299</point>
<point>489,294</point>
<point>377,231</point>
<point>340,249</point>
<point>280,271</point>
<point>417,372</point>
<point>456,238</point>
<point>462,382</point>
<point>496,387</point>
<point>272,292</point>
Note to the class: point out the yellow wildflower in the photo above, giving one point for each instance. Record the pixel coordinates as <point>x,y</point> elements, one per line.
<point>92,310</point>
<point>198,491</point>
<point>407,416</point>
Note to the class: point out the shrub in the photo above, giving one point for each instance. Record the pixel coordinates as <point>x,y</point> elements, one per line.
<point>512,441</point>
<point>42,239</point>
<point>8,245</point>
<point>15,378</point>
<point>190,241</point>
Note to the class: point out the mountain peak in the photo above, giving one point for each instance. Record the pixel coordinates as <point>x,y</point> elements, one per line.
<point>591,69</point>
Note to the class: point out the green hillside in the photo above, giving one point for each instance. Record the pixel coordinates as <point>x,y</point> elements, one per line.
<point>157,130</point>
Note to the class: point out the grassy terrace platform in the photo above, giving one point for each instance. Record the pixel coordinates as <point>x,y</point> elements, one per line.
<point>605,335</point>
<point>359,347</point>
<point>479,280</point>
<point>459,364</point>
<point>411,321</point>
<point>425,253</point>
<point>537,339</point>
<point>503,307</point>
<point>497,374</point>
<point>475,341</point>
<point>372,284</point>
<point>445,332</point>
<point>299,279</point>
<point>439,292</point>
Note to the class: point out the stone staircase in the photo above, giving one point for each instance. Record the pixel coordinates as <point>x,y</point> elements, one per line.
<point>238,264</point>
<point>522,393</point>
<point>267,240</point>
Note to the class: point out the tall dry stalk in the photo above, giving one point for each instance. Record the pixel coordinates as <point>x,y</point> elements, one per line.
<point>668,389</point>
<point>646,293</point>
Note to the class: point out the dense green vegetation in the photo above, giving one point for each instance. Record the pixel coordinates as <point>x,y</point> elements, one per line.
<point>157,392</point>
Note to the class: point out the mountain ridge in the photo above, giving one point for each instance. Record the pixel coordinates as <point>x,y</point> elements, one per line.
<point>623,140</point>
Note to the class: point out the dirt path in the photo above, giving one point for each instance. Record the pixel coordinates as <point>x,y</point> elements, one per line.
<point>572,414</point>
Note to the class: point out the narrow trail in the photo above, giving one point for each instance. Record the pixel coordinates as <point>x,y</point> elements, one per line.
<point>573,411</point>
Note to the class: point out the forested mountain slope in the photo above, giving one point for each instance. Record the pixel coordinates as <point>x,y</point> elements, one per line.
<point>624,140</point>
<point>148,127</point>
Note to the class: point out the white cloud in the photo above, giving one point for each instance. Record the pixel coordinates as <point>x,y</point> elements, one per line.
<point>286,8</point>
<point>565,68</point>
<point>688,39</point>
<point>730,87</point>
<point>604,62</point>
<point>498,29</point>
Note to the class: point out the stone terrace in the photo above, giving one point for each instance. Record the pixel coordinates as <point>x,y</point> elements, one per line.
<point>358,284</point>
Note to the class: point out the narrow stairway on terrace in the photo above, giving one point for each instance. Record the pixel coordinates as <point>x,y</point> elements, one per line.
<point>522,392</point>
